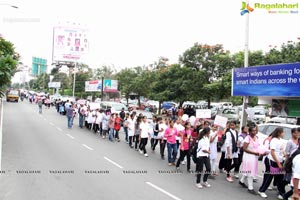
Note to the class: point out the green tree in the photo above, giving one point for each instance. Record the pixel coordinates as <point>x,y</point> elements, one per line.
<point>8,63</point>
<point>125,81</point>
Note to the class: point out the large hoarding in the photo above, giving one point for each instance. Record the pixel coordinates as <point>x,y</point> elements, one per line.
<point>285,107</point>
<point>269,80</point>
<point>110,85</point>
<point>39,66</point>
<point>70,44</point>
<point>93,86</point>
<point>96,85</point>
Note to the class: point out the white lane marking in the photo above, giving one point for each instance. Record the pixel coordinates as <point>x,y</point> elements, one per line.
<point>112,162</point>
<point>86,146</point>
<point>59,129</point>
<point>51,123</point>
<point>70,136</point>
<point>163,191</point>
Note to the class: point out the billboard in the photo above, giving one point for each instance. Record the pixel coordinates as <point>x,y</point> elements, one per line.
<point>285,108</point>
<point>70,44</point>
<point>39,66</point>
<point>54,84</point>
<point>269,80</point>
<point>93,86</point>
<point>96,85</point>
<point>110,85</point>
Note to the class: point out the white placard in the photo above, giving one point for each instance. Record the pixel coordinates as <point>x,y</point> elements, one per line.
<point>54,84</point>
<point>94,106</point>
<point>203,113</point>
<point>250,113</point>
<point>220,121</point>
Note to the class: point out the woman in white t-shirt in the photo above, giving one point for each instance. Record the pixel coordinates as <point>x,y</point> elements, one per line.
<point>276,157</point>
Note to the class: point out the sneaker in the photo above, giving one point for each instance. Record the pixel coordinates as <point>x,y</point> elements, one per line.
<point>103,137</point>
<point>262,194</point>
<point>183,162</point>
<point>252,192</point>
<point>255,180</point>
<point>236,176</point>
<point>206,184</point>
<point>270,188</point>
<point>162,157</point>
<point>146,155</point>
<point>229,179</point>
<point>242,184</point>
<point>198,185</point>
<point>141,152</point>
<point>280,197</point>
<point>170,164</point>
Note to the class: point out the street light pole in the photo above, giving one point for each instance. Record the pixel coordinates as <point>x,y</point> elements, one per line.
<point>74,80</point>
<point>246,64</point>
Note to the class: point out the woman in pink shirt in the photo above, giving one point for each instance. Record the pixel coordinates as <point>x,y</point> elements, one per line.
<point>170,134</point>
<point>185,146</point>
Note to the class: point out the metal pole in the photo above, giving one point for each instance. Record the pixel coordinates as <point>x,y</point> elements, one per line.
<point>102,86</point>
<point>74,80</point>
<point>246,64</point>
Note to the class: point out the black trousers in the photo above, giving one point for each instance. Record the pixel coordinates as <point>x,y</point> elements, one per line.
<point>154,143</point>
<point>278,179</point>
<point>136,139</point>
<point>222,161</point>
<point>162,145</point>
<point>229,165</point>
<point>143,144</point>
<point>130,140</point>
<point>201,161</point>
<point>184,153</point>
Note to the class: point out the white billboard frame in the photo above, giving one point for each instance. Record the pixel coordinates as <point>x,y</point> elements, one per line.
<point>70,44</point>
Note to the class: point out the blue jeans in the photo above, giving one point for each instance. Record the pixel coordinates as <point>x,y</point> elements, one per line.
<point>70,122</point>
<point>126,133</point>
<point>81,121</point>
<point>40,109</point>
<point>172,152</point>
<point>111,134</point>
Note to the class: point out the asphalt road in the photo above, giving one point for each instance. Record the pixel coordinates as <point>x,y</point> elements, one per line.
<point>42,159</point>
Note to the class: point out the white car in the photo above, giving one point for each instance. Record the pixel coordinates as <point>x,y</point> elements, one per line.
<point>264,130</point>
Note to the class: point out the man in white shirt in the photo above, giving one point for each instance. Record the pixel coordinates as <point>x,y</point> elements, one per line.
<point>144,127</point>
<point>231,152</point>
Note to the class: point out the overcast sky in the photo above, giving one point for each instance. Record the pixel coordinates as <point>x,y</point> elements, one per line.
<point>129,33</point>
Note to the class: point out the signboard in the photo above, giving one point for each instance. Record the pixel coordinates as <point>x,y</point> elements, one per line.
<point>39,66</point>
<point>70,44</point>
<point>110,85</point>
<point>269,80</point>
<point>284,108</point>
<point>54,85</point>
<point>220,121</point>
<point>203,113</point>
<point>93,86</point>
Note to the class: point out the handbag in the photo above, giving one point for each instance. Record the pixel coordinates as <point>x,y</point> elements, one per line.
<point>275,170</point>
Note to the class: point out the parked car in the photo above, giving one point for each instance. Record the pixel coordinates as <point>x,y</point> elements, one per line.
<point>256,115</point>
<point>232,114</point>
<point>114,106</point>
<point>283,120</point>
<point>264,130</point>
<point>12,95</point>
